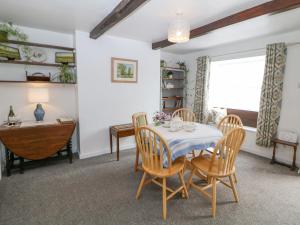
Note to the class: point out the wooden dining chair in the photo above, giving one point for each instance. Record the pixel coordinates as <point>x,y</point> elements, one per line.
<point>154,149</point>
<point>218,166</point>
<point>228,123</point>
<point>186,114</point>
<point>138,120</point>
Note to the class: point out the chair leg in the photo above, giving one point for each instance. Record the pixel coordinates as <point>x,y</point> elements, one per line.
<point>186,194</point>
<point>164,198</point>
<point>235,179</point>
<point>137,156</point>
<point>190,179</point>
<point>214,197</point>
<point>232,183</point>
<point>138,193</point>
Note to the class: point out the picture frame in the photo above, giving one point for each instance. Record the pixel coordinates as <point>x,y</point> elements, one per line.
<point>64,57</point>
<point>9,52</point>
<point>124,70</point>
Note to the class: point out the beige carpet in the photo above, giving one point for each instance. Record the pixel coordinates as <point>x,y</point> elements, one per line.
<point>102,191</point>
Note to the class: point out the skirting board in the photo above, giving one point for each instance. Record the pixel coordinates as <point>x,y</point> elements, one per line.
<point>104,151</point>
<point>266,154</point>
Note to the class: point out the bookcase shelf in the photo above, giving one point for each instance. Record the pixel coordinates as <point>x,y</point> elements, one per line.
<point>172,89</point>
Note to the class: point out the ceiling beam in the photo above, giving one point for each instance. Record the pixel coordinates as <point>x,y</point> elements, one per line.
<point>122,10</point>
<point>275,6</point>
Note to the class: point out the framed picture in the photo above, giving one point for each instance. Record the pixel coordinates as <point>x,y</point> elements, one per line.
<point>9,53</point>
<point>124,70</point>
<point>64,57</point>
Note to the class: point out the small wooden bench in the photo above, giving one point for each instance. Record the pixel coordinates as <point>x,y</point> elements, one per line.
<point>120,131</point>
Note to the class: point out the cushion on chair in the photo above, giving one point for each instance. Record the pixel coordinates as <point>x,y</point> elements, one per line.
<point>141,121</point>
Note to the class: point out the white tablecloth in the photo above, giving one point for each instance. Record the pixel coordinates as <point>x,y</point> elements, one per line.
<point>183,142</point>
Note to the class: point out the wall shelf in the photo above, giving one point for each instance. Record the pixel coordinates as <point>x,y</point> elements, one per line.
<point>171,98</point>
<point>173,88</point>
<point>172,69</point>
<point>32,63</point>
<point>173,78</point>
<point>38,45</point>
<point>33,82</point>
<point>170,109</point>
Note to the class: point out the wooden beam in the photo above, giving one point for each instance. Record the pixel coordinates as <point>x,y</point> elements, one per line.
<point>275,6</point>
<point>122,10</point>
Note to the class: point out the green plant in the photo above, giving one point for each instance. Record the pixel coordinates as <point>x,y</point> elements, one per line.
<point>66,75</point>
<point>163,63</point>
<point>15,32</point>
<point>182,66</point>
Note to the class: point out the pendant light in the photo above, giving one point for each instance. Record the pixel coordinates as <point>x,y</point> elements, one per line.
<point>179,30</point>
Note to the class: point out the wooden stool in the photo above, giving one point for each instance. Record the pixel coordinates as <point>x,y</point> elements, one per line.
<point>291,144</point>
<point>119,131</point>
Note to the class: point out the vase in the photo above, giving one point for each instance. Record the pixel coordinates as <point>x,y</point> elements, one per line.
<point>39,113</point>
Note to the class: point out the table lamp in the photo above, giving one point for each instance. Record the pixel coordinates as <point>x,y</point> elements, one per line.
<point>38,95</point>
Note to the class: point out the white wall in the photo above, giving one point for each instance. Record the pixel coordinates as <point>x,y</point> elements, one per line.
<point>291,93</point>
<point>102,103</point>
<point>62,98</point>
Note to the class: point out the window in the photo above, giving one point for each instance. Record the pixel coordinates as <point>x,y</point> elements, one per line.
<point>236,84</point>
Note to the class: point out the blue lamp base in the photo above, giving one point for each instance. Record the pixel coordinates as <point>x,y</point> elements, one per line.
<point>39,113</point>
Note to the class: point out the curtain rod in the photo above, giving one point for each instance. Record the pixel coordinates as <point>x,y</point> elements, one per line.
<point>253,50</point>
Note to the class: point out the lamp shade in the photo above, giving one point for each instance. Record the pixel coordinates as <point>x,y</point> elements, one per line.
<point>179,30</point>
<point>38,95</point>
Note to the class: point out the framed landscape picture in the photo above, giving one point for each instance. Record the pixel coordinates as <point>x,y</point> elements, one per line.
<point>124,70</point>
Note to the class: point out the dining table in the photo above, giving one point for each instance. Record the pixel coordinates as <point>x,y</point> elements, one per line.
<point>183,142</point>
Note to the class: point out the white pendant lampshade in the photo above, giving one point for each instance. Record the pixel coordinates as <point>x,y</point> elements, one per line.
<point>179,30</point>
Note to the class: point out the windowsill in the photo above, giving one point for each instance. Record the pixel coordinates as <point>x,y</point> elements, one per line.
<point>250,129</point>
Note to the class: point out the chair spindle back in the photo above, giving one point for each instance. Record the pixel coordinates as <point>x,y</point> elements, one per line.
<point>186,114</point>
<point>153,148</point>
<point>228,123</point>
<point>226,151</point>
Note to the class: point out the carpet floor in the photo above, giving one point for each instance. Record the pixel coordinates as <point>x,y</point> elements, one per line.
<point>101,190</point>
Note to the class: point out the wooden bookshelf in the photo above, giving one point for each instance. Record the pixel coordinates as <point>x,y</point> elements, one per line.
<point>172,98</point>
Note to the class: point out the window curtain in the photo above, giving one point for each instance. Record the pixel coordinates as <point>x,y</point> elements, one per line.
<point>271,94</point>
<point>201,88</point>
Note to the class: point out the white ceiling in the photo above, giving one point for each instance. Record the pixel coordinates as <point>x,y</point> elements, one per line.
<point>150,22</point>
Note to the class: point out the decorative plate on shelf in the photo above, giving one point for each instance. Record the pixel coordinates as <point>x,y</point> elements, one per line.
<point>37,55</point>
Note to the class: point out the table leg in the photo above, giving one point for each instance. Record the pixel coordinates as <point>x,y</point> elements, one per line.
<point>294,159</point>
<point>118,148</point>
<point>69,150</point>
<point>274,152</point>
<point>7,162</point>
<point>21,165</point>
<point>110,139</point>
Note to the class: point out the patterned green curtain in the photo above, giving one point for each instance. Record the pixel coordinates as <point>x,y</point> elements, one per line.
<point>271,94</point>
<point>201,88</point>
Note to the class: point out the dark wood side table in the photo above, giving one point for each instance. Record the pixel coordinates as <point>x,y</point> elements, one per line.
<point>291,144</point>
<point>120,131</point>
<point>35,142</point>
